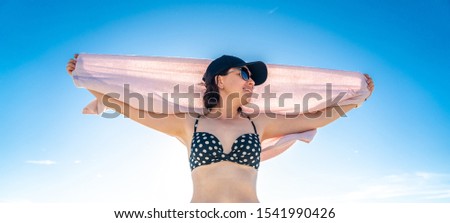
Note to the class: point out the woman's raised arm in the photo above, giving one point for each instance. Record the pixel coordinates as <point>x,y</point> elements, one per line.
<point>279,125</point>
<point>171,124</point>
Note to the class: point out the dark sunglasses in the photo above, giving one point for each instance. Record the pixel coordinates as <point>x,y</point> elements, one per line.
<point>244,72</point>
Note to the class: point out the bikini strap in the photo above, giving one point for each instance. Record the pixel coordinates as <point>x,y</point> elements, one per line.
<point>252,124</point>
<point>196,123</point>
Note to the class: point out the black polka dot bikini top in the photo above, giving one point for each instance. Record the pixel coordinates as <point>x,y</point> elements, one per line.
<point>207,149</point>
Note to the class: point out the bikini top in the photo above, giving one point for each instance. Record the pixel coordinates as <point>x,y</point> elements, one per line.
<point>207,149</point>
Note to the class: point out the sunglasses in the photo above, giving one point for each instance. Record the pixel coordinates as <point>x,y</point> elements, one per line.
<point>244,72</point>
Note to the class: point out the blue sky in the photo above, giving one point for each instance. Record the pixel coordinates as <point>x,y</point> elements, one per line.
<point>395,148</point>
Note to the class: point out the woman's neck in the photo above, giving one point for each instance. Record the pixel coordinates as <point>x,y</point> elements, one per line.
<point>225,112</point>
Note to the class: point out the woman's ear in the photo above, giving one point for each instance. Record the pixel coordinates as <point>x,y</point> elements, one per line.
<point>219,81</point>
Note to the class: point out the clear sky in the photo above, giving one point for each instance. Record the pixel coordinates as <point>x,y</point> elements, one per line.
<point>395,148</point>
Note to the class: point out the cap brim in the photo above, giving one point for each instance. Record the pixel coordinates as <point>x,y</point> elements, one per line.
<point>259,71</point>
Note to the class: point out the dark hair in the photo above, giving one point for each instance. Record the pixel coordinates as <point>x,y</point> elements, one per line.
<point>211,98</point>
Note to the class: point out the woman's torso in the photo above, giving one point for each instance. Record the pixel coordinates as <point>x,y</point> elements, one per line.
<point>226,180</point>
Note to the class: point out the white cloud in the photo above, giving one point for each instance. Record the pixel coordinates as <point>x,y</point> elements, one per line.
<point>41,162</point>
<point>407,187</point>
<point>77,161</point>
<point>416,187</point>
<point>273,10</point>
<point>16,201</point>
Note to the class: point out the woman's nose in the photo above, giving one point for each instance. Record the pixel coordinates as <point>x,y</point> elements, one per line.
<point>251,82</point>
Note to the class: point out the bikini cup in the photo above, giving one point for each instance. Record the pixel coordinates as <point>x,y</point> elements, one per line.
<point>206,149</point>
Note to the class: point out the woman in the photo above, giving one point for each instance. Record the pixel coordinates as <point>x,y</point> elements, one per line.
<point>224,144</point>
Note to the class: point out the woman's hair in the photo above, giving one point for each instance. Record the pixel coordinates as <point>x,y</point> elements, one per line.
<point>211,98</point>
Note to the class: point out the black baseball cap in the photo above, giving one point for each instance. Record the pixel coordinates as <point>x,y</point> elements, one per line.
<point>225,62</point>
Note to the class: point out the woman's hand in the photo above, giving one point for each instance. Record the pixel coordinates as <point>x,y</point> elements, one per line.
<point>71,64</point>
<point>370,84</point>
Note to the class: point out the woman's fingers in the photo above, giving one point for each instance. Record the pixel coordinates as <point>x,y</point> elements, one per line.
<point>370,84</point>
<point>70,68</point>
<point>369,80</point>
<point>72,64</point>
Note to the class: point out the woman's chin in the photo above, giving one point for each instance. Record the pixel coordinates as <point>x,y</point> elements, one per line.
<point>246,99</point>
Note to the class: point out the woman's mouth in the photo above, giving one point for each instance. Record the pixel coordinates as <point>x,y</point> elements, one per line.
<point>248,90</point>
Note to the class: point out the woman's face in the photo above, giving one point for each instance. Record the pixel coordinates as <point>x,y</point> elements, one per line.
<point>234,86</point>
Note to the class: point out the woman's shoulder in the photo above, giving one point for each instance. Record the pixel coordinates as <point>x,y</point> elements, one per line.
<point>190,118</point>
<point>259,117</point>
<point>187,120</point>
<point>263,120</point>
